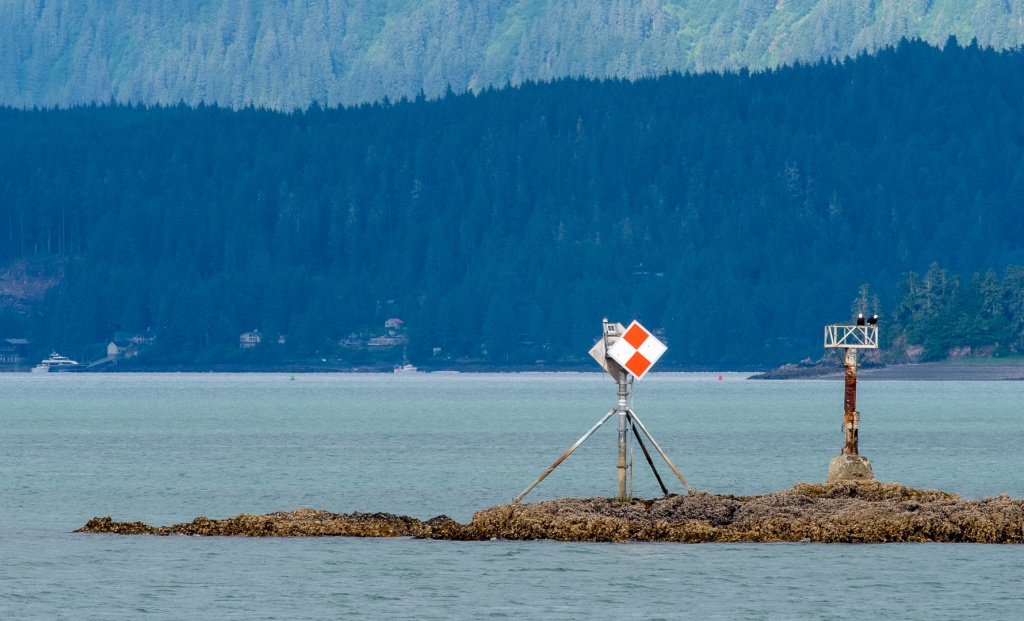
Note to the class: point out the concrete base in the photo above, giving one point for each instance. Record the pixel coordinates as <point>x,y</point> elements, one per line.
<point>849,468</point>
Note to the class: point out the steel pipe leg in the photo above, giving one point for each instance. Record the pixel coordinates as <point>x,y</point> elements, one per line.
<point>562,458</point>
<point>650,461</point>
<point>660,452</point>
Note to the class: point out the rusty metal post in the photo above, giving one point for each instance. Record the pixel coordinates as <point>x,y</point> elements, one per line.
<point>623,416</point>
<point>850,465</point>
<point>851,417</point>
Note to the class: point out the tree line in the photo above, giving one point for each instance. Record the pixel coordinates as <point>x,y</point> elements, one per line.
<point>286,55</point>
<point>941,314</point>
<point>736,212</point>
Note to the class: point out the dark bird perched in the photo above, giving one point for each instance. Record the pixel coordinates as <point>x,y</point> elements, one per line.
<point>872,320</point>
<point>860,319</point>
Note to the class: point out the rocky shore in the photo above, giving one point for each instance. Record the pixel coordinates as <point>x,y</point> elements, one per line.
<point>838,513</point>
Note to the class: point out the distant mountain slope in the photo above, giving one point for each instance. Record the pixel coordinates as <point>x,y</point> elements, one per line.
<point>738,212</point>
<point>285,55</point>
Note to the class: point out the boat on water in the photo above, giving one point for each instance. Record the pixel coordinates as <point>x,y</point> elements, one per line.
<point>56,362</point>
<point>405,367</point>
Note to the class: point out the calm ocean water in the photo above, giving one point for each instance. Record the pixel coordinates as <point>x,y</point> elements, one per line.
<point>166,448</point>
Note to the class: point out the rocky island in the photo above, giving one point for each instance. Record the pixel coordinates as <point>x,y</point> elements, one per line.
<point>846,512</point>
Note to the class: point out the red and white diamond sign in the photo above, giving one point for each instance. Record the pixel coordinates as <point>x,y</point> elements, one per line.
<point>637,350</point>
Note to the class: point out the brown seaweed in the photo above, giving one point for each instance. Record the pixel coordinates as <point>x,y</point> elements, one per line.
<point>867,512</point>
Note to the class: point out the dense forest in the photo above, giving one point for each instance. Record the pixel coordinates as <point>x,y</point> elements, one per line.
<point>738,213</point>
<point>943,315</point>
<point>285,55</point>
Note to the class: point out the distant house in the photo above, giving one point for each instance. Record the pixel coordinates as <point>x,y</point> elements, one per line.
<point>13,351</point>
<point>378,342</point>
<point>122,351</point>
<point>394,335</point>
<point>135,338</point>
<point>128,344</point>
<point>352,341</point>
<point>250,339</point>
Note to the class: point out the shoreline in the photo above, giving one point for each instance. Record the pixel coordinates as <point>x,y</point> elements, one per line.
<point>947,371</point>
<point>942,371</point>
<point>926,371</point>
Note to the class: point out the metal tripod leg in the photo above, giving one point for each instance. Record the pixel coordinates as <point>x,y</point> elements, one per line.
<point>567,453</point>
<point>650,461</point>
<point>661,452</point>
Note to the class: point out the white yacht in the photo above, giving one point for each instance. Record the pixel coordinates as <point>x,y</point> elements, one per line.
<point>56,362</point>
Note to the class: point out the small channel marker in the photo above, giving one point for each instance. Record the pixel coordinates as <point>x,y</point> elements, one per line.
<point>627,354</point>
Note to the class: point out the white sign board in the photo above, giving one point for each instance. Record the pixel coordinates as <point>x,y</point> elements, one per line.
<point>637,350</point>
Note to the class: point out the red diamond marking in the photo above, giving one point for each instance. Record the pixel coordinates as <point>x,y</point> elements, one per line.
<point>635,336</point>
<point>637,364</point>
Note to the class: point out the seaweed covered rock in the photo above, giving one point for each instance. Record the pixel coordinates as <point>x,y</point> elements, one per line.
<point>848,512</point>
<point>298,523</point>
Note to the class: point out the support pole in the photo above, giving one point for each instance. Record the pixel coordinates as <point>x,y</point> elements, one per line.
<point>654,443</point>
<point>622,439</point>
<point>851,417</point>
<point>650,462</point>
<point>850,465</point>
<point>563,457</point>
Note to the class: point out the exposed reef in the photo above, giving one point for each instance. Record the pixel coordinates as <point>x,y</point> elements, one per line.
<point>823,369</point>
<point>828,513</point>
<point>799,371</point>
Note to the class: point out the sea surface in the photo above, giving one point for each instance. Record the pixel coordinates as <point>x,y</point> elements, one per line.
<point>166,448</point>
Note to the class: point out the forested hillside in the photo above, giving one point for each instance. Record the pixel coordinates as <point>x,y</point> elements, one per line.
<point>285,55</point>
<point>942,314</point>
<point>737,212</point>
